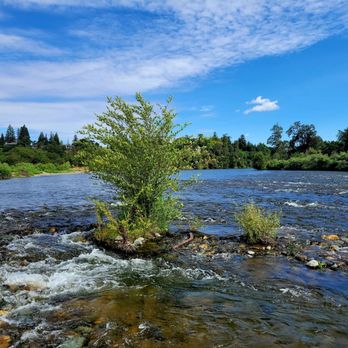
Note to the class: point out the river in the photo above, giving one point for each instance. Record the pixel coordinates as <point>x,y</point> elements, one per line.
<point>60,290</point>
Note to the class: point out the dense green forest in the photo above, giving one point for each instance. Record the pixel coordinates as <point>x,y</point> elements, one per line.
<point>304,149</point>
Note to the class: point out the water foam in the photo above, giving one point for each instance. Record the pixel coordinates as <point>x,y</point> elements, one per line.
<point>297,204</point>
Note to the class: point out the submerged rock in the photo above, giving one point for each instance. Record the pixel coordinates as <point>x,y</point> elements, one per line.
<point>335,247</point>
<point>5,341</point>
<point>73,342</point>
<point>330,237</point>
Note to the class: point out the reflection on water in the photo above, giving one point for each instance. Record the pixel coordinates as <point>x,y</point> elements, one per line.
<point>57,289</point>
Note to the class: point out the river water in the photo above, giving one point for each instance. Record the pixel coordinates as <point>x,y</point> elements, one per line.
<point>59,290</point>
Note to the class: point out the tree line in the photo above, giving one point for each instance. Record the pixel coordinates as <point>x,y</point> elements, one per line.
<point>304,144</point>
<point>18,147</point>
<point>304,149</point>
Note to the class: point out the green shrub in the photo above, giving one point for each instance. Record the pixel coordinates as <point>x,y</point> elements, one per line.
<point>258,225</point>
<point>276,164</point>
<point>5,171</point>
<point>140,159</point>
<point>259,161</point>
<point>47,168</point>
<point>25,169</point>
<point>66,166</point>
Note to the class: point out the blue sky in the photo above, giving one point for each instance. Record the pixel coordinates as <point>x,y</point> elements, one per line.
<point>232,66</point>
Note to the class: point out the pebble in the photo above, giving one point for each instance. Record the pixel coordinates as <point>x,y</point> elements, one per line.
<point>335,247</point>
<point>250,252</point>
<point>313,264</point>
<point>269,247</point>
<point>52,229</point>
<point>302,258</point>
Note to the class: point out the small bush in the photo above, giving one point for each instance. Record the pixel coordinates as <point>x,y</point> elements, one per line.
<point>47,168</point>
<point>258,225</point>
<point>5,171</point>
<point>25,169</point>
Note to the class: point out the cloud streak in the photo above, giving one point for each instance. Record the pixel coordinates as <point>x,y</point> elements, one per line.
<point>157,44</point>
<point>262,105</point>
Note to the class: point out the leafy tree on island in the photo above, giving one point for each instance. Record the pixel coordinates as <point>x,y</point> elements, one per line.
<point>139,158</point>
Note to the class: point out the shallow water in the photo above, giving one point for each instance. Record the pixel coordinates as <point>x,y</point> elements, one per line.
<point>59,288</point>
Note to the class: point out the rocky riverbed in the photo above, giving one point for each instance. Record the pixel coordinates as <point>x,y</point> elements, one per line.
<point>59,288</point>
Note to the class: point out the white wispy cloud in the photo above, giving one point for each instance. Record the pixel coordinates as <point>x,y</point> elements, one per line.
<point>178,40</point>
<point>50,116</point>
<point>262,105</point>
<point>16,43</point>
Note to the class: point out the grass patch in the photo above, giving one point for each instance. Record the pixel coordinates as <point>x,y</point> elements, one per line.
<point>29,169</point>
<point>258,225</point>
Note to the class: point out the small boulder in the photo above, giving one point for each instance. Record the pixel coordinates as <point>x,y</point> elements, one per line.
<point>250,252</point>
<point>139,242</point>
<point>313,264</point>
<point>330,237</point>
<point>73,342</point>
<point>5,341</point>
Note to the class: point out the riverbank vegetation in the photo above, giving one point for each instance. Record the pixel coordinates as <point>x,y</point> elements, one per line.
<point>20,156</point>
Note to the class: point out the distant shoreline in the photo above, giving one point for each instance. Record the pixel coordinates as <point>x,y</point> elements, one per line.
<point>50,174</point>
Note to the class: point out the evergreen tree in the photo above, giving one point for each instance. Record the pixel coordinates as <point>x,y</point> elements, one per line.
<point>242,143</point>
<point>42,140</point>
<point>342,138</point>
<point>10,136</point>
<point>24,136</point>
<point>56,140</point>
<point>2,140</point>
<point>275,140</point>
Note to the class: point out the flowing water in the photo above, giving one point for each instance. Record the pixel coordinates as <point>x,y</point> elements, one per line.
<point>60,290</point>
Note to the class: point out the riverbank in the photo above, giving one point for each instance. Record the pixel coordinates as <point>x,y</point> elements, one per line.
<point>24,170</point>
